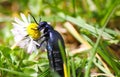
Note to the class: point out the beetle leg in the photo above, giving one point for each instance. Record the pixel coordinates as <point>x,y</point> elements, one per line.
<point>43,35</point>
<point>38,46</point>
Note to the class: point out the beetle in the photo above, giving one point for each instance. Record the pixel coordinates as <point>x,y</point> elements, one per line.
<point>51,37</point>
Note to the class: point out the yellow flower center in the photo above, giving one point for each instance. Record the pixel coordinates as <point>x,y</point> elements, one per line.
<point>33,31</point>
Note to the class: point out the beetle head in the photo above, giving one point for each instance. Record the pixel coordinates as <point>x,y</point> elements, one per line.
<point>42,25</point>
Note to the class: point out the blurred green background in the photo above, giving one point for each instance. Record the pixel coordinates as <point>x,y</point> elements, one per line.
<point>88,17</point>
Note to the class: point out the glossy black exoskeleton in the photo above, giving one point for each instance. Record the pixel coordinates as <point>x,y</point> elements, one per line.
<point>54,55</point>
<point>51,37</point>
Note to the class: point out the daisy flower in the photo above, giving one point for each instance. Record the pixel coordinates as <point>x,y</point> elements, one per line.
<point>25,33</point>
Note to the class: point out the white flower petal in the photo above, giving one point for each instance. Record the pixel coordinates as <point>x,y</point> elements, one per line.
<point>19,32</point>
<point>24,43</point>
<point>24,18</point>
<point>19,26</point>
<point>21,23</point>
<point>29,21</point>
<point>36,43</point>
<point>31,47</point>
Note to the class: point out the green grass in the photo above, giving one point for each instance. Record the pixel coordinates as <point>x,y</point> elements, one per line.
<point>91,27</point>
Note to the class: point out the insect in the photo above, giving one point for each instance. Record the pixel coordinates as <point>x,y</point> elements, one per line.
<point>51,37</point>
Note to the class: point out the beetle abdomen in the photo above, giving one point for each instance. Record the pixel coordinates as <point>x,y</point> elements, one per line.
<point>58,63</point>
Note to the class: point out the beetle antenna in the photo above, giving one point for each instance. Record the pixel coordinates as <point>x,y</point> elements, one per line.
<point>34,19</point>
<point>40,19</point>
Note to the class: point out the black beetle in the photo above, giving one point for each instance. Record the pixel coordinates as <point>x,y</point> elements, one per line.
<point>51,37</point>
